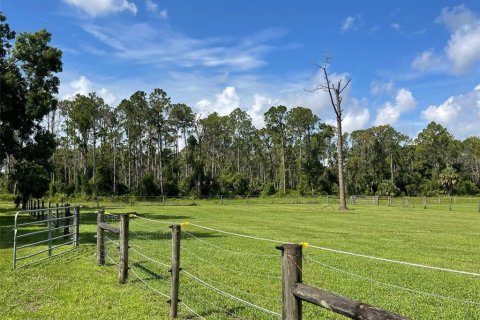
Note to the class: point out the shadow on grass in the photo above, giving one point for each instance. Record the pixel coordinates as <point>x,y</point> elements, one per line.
<point>229,313</point>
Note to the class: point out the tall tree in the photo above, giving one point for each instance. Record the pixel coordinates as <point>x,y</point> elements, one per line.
<point>28,87</point>
<point>335,91</point>
<point>160,105</point>
<point>275,122</point>
<point>301,122</point>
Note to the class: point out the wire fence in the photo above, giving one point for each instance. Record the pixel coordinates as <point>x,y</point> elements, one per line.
<point>439,203</point>
<point>227,274</point>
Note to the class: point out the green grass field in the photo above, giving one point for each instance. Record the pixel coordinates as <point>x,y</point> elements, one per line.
<point>72,286</point>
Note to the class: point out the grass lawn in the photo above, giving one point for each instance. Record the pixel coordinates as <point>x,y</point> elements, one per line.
<point>72,286</point>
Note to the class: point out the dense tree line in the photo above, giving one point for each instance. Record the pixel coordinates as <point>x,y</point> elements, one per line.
<point>149,145</point>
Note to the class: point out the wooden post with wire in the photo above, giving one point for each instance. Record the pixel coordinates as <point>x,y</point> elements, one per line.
<point>291,275</point>
<point>123,240</point>
<point>100,239</point>
<point>175,270</point>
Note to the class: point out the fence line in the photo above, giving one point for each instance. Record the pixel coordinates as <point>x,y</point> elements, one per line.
<point>391,285</point>
<point>148,258</point>
<point>231,295</point>
<point>191,310</point>
<point>229,250</point>
<point>411,264</point>
<point>231,270</point>
<point>230,292</point>
<point>149,286</point>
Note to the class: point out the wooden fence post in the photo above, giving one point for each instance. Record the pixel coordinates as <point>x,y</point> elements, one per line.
<point>123,239</point>
<point>450,204</point>
<point>291,275</point>
<point>100,240</point>
<point>76,225</point>
<point>43,211</point>
<point>34,208</point>
<point>175,270</point>
<point>424,202</point>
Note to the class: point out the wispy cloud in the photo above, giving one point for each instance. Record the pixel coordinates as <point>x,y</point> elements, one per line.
<point>427,60</point>
<point>352,23</point>
<point>153,8</point>
<point>142,43</point>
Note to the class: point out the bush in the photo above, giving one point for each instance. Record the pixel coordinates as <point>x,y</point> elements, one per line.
<point>268,189</point>
<point>466,188</point>
<point>387,188</point>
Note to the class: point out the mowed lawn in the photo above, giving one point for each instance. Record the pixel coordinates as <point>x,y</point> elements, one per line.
<point>214,263</point>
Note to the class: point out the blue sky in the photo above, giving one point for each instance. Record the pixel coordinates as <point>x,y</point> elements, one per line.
<point>411,62</point>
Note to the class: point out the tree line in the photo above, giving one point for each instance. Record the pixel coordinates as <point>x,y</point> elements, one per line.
<point>149,145</point>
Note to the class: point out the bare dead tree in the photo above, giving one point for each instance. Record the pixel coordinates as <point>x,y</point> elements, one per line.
<point>335,90</point>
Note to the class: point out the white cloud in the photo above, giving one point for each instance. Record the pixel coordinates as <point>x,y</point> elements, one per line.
<point>163,14</point>
<point>390,112</point>
<point>355,120</point>
<point>352,23</point>
<point>152,7</point>
<point>459,114</point>
<point>463,47</point>
<point>395,26</point>
<point>260,105</point>
<point>348,23</point>
<point>380,88</point>
<point>103,7</point>
<point>224,103</point>
<point>84,86</point>
<point>457,17</point>
<point>426,60</point>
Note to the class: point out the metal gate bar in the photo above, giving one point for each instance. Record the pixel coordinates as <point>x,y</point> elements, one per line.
<point>51,225</point>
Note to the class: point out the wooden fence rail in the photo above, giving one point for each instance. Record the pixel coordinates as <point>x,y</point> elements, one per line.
<point>294,292</point>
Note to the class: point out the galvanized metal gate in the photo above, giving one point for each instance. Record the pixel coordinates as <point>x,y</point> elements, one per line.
<point>42,239</point>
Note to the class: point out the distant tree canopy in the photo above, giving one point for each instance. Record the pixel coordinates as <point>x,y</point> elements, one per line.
<point>149,145</point>
<point>28,87</point>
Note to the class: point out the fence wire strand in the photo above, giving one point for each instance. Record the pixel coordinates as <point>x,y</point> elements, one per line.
<point>231,295</point>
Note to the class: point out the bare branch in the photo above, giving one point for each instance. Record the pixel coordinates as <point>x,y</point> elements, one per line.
<point>346,85</point>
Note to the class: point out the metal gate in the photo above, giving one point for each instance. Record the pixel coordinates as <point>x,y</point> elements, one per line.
<point>41,239</point>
